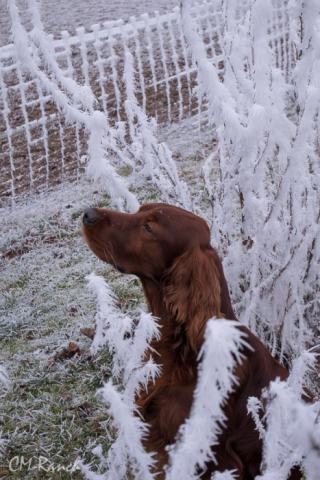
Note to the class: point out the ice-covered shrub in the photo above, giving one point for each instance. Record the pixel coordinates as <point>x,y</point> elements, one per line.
<point>289,427</point>
<point>265,201</point>
<point>127,338</point>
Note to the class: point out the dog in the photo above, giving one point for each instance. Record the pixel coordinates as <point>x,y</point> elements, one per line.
<point>169,250</point>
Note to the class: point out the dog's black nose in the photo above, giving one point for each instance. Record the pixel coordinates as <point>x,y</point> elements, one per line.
<point>90,216</point>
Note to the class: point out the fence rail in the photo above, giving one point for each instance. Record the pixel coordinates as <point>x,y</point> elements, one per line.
<point>40,149</point>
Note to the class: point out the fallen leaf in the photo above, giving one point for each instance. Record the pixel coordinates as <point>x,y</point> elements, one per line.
<point>88,332</point>
<point>70,351</point>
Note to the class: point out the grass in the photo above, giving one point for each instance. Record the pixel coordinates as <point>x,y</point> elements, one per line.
<point>46,417</point>
<point>50,410</point>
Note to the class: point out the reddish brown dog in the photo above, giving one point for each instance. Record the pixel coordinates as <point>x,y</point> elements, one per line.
<point>169,249</point>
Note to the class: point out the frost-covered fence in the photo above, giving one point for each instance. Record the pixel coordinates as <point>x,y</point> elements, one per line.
<point>39,148</point>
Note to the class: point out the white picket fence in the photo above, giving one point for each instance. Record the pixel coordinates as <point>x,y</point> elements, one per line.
<point>40,149</point>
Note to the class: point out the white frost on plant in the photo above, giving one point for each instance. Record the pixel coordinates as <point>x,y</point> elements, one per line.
<point>289,427</point>
<point>128,338</point>
<point>102,144</point>
<point>4,378</point>
<point>264,105</point>
<point>227,475</point>
<point>130,432</point>
<point>219,356</point>
<point>157,162</point>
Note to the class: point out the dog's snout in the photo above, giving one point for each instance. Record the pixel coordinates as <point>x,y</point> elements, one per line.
<point>90,216</point>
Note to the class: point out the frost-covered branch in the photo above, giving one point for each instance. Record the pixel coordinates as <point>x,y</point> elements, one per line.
<point>219,355</point>
<point>289,427</point>
<point>131,430</point>
<point>158,164</point>
<point>4,379</point>
<point>128,338</point>
<point>265,109</point>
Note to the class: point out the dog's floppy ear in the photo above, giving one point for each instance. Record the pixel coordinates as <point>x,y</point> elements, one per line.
<point>192,292</point>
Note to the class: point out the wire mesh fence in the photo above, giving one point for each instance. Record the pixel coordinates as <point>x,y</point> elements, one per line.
<point>40,148</point>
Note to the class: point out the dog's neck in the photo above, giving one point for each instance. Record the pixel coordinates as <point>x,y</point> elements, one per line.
<point>173,347</point>
<point>153,292</point>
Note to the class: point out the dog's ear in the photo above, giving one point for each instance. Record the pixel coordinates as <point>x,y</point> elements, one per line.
<point>192,292</point>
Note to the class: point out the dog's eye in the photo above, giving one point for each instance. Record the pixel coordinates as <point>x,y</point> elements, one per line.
<point>147,227</point>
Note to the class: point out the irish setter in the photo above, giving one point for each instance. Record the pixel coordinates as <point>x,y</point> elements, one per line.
<point>169,250</point>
